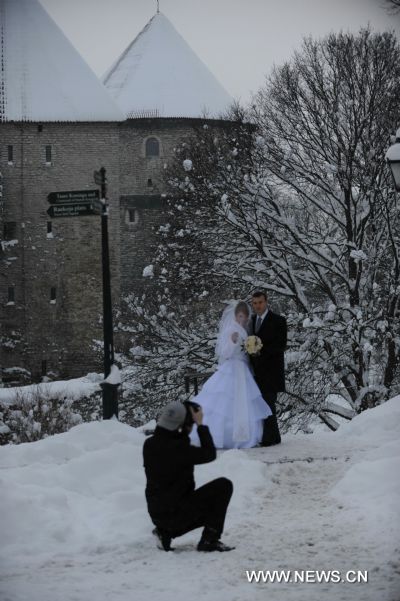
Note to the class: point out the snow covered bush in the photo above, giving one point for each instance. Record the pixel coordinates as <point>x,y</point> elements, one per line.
<point>36,412</point>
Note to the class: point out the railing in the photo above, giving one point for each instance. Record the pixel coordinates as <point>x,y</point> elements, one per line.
<point>194,378</point>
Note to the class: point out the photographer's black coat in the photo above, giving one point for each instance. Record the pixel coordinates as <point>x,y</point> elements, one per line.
<point>169,461</point>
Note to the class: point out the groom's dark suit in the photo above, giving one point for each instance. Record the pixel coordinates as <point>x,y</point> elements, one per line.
<point>269,368</point>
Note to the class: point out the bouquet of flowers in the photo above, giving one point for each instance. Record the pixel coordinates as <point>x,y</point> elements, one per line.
<point>252,345</point>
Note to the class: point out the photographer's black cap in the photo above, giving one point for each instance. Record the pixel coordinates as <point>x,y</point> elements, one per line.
<point>173,415</point>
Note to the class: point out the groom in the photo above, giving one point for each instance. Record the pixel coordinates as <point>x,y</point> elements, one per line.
<point>269,367</point>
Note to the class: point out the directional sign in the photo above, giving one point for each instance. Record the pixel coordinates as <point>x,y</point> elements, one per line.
<point>72,210</point>
<point>73,196</point>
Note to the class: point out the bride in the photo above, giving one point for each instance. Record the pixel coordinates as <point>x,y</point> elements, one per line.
<point>232,404</point>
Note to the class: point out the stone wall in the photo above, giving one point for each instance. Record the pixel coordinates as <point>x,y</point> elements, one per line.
<point>142,188</point>
<point>59,332</point>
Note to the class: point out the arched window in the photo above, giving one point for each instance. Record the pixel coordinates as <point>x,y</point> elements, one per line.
<point>152,147</point>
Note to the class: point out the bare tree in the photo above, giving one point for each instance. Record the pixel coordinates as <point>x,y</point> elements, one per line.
<point>326,119</point>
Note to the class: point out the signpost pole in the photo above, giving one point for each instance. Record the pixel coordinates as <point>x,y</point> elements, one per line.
<point>75,203</point>
<point>110,389</point>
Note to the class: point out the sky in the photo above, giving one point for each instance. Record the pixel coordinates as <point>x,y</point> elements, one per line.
<point>239,40</point>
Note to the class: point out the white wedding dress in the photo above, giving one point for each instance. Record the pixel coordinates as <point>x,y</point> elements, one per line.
<point>232,404</point>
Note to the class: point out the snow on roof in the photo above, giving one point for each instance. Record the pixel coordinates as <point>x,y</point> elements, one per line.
<point>43,77</point>
<point>160,75</point>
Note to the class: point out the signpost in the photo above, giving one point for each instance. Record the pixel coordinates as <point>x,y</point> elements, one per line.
<point>72,210</point>
<point>73,196</point>
<point>76,203</point>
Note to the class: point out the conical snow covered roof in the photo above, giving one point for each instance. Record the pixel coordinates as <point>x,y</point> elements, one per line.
<point>160,75</point>
<point>43,77</point>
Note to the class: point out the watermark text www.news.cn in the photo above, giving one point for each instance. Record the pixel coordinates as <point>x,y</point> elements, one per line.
<point>306,576</point>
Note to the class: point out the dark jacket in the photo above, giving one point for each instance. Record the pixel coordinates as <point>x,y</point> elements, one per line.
<point>269,365</point>
<point>169,461</point>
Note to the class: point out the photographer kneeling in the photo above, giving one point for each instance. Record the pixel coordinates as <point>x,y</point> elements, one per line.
<point>174,505</point>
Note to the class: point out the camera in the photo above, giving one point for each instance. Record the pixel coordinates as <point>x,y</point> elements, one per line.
<point>189,417</point>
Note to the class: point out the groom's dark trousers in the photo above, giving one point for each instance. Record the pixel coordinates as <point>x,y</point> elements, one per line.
<point>271,434</point>
<point>172,501</point>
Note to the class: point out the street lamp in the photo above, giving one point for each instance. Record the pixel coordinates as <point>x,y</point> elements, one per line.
<point>393,160</point>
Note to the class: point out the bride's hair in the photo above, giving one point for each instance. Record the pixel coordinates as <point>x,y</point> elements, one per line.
<point>242,307</point>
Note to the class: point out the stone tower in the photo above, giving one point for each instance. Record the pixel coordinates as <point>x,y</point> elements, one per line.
<point>58,124</point>
<point>163,89</point>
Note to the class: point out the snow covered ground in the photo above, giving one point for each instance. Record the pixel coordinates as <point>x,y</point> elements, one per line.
<point>74,523</point>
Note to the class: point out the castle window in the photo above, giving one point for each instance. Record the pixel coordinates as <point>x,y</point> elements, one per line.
<point>10,154</point>
<point>11,294</point>
<point>49,227</point>
<point>10,230</point>
<point>53,295</point>
<point>152,147</point>
<point>48,155</point>
<point>44,367</point>
<point>131,216</point>
<point>149,182</point>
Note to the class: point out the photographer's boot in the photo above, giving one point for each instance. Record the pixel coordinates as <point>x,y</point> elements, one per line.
<point>209,542</point>
<point>163,539</point>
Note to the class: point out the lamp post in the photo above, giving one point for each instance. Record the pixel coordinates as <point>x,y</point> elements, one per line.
<point>393,160</point>
<point>112,378</point>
